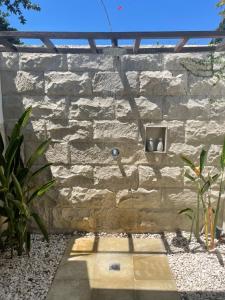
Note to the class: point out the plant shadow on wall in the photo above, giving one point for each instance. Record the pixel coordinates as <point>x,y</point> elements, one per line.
<point>19,190</point>
<point>135,110</point>
<point>205,183</point>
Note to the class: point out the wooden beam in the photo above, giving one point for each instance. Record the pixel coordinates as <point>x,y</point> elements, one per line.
<point>137,45</point>
<point>113,35</point>
<point>180,44</point>
<point>92,45</point>
<point>9,46</point>
<point>129,50</point>
<point>49,44</point>
<point>114,43</point>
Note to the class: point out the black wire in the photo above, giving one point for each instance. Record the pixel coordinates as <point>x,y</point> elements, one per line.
<point>106,13</point>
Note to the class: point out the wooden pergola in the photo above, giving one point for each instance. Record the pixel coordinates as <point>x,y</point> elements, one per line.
<point>49,47</point>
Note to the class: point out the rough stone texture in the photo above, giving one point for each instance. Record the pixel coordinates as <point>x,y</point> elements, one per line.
<point>162,84</point>
<point>67,83</point>
<point>89,104</point>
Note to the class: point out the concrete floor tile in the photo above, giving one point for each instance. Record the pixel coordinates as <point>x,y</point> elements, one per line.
<point>83,245</point>
<point>109,294</point>
<point>77,267</point>
<point>108,244</point>
<point>104,261</point>
<point>148,246</point>
<point>151,267</point>
<point>70,290</point>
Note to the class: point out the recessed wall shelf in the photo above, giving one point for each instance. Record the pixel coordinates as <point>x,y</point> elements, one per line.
<point>155,139</point>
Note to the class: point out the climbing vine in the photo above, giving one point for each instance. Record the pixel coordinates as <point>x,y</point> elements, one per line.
<point>213,65</point>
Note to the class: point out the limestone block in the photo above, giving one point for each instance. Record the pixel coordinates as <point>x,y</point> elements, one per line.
<point>116,178</point>
<point>140,198</point>
<point>69,219</point>
<point>175,132</point>
<point>90,62</point>
<point>177,108</point>
<point>108,83</point>
<point>71,176</point>
<point>9,61</point>
<point>177,61</point>
<point>149,221</point>
<point>217,109</point>
<point>58,153</point>
<point>42,62</point>
<point>70,131</point>
<point>115,220</point>
<point>206,86</point>
<point>12,107</point>
<point>216,132</point>
<point>179,199</point>
<point>91,198</point>
<point>162,84</point>
<point>214,153</point>
<point>164,177</point>
<point>115,131</point>
<point>67,83</point>
<point>141,62</point>
<point>45,107</point>
<point>178,149</point>
<point>147,176</point>
<point>22,82</point>
<point>96,109</point>
<point>196,131</point>
<point>88,153</point>
<point>124,110</point>
<point>112,83</point>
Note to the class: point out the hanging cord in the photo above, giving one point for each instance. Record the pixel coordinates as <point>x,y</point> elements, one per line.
<point>106,13</point>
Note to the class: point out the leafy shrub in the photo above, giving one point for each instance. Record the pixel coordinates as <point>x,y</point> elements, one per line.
<point>204,185</point>
<point>17,190</point>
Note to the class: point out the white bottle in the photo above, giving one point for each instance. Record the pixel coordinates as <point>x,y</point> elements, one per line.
<point>150,145</point>
<point>160,145</point>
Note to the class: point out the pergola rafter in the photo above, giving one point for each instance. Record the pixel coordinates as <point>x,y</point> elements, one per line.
<point>49,46</point>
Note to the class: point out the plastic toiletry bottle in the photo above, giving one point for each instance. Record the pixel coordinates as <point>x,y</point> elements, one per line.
<point>150,145</point>
<point>160,145</point>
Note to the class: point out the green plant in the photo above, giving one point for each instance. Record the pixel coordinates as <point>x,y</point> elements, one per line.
<point>17,188</point>
<point>204,185</point>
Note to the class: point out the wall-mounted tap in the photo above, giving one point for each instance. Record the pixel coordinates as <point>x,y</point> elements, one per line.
<point>115,153</point>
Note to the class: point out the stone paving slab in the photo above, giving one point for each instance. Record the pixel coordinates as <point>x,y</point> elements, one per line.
<point>114,269</point>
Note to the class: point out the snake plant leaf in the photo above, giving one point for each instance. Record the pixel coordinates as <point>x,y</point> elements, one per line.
<point>23,120</point>
<point>18,188</point>
<point>38,152</point>
<point>222,157</point>
<point>2,146</point>
<point>203,157</point>
<point>10,155</point>
<point>3,179</point>
<point>214,178</point>
<point>185,210</point>
<point>187,175</point>
<point>188,162</point>
<point>41,169</point>
<point>41,190</point>
<point>22,175</point>
<point>205,187</point>
<point>41,225</point>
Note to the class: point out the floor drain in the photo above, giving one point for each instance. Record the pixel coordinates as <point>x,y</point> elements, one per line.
<point>114,267</point>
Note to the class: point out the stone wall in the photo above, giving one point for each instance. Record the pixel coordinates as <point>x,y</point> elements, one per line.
<point>88,104</point>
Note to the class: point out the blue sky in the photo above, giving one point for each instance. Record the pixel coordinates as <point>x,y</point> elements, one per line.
<point>125,15</point>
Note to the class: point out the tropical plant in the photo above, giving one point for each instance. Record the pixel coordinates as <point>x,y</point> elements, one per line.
<point>204,183</point>
<point>17,188</point>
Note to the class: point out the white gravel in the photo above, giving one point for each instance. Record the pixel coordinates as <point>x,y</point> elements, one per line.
<point>199,275</point>
<point>23,278</point>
